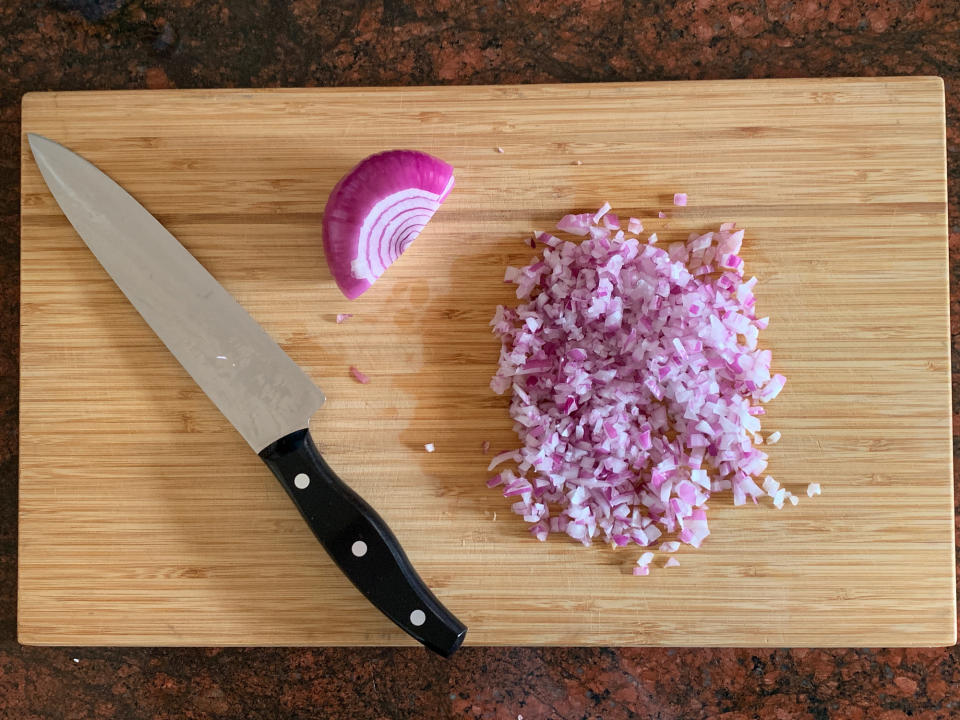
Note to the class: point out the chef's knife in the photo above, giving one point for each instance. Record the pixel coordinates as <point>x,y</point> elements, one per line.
<point>253,382</point>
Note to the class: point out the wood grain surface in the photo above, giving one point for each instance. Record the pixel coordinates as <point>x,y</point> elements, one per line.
<point>145,518</point>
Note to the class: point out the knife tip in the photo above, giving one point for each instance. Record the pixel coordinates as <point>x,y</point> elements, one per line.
<point>35,140</point>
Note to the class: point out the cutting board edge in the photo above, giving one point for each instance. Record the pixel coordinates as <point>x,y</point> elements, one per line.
<point>950,639</point>
<point>33,97</point>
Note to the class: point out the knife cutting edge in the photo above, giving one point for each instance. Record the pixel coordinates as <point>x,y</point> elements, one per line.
<point>254,383</point>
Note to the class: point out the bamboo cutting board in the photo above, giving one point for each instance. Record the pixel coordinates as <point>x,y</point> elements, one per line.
<point>145,519</point>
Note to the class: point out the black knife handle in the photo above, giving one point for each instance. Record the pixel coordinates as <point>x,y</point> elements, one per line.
<point>360,543</point>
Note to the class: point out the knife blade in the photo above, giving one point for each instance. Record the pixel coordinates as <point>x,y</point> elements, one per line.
<point>264,394</point>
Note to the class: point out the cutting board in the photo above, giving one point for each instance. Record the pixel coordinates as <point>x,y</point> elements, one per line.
<point>145,519</point>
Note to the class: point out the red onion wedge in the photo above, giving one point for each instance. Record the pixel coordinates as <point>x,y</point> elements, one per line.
<point>637,381</point>
<point>377,210</point>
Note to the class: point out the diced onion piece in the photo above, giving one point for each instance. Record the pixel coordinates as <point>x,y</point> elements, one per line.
<point>671,562</point>
<point>773,438</point>
<point>601,212</point>
<point>504,457</point>
<point>778,497</point>
<point>813,489</point>
<point>772,388</point>
<point>429,447</point>
<point>359,376</point>
<point>611,222</point>
<point>680,199</point>
<point>575,224</point>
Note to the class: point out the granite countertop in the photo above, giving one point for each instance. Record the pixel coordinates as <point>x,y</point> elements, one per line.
<point>114,44</point>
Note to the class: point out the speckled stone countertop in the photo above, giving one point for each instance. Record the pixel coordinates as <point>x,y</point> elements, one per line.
<point>114,44</point>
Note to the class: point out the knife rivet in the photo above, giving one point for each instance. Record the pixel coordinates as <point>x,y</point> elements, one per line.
<point>359,548</point>
<point>301,481</point>
<point>418,617</point>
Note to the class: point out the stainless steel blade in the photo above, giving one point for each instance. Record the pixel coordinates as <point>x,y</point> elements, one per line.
<point>244,372</point>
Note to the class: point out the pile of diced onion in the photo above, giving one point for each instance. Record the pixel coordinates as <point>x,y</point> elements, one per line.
<point>637,385</point>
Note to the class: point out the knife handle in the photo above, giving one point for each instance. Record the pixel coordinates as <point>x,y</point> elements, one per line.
<point>360,543</point>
